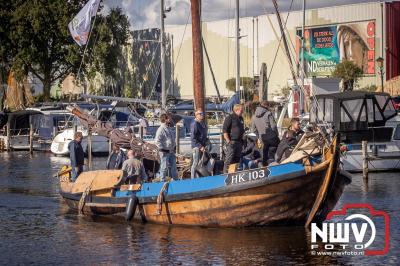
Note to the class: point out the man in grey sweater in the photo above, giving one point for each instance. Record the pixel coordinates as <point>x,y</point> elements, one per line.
<point>264,126</point>
<point>165,141</point>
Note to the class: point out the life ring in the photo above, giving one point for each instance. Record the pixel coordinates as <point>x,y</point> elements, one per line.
<point>131,207</point>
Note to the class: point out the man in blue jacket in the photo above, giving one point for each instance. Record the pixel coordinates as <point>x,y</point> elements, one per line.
<point>76,155</point>
<point>198,138</point>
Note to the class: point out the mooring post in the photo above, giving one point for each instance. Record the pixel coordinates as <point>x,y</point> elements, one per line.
<point>141,132</point>
<point>8,139</point>
<point>177,138</point>
<point>109,146</point>
<point>365,158</point>
<point>90,149</point>
<point>30,135</point>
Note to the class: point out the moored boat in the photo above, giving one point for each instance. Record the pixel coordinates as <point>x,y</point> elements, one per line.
<point>281,194</point>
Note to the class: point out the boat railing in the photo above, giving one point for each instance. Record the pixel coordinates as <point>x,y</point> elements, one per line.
<point>19,132</point>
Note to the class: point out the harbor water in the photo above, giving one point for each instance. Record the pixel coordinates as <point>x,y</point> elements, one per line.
<point>37,228</point>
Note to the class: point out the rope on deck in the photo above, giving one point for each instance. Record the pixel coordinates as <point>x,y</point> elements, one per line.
<point>82,201</point>
<point>160,198</point>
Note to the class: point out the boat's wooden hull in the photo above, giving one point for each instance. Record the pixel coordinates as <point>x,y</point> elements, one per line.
<point>90,208</point>
<point>288,195</point>
<point>282,203</point>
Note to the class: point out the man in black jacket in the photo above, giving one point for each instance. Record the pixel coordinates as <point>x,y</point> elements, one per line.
<point>116,158</point>
<point>289,140</point>
<point>251,157</point>
<point>233,130</point>
<point>76,155</point>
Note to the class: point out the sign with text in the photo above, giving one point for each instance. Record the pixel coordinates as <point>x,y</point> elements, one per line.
<point>246,176</point>
<point>325,47</point>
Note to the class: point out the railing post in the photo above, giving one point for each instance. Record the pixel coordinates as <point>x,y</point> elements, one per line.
<point>365,158</point>
<point>177,137</point>
<point>54,132</point>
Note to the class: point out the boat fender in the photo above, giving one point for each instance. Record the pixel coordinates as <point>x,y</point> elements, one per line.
<point>131,207</point>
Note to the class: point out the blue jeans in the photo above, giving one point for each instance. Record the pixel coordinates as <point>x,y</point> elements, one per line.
<point>248,164</point>
<point>168,162</point>
<point>75,172</point>
<point>196,158</point>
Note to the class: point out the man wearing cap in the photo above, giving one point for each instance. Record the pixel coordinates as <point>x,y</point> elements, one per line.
<point>198,138</point>
<point>76,155</point>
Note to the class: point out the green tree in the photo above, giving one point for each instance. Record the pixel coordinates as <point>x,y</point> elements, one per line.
<point>108,53</point>
<point>286,91</point>
<point>349,72</point>
<point>35,39</point>
<point>246,82</point>
<point>6,51</point>
<point>248,87</point>
<point>42,44</point>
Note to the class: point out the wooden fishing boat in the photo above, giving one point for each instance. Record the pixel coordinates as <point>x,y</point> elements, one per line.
<point>296,192</point>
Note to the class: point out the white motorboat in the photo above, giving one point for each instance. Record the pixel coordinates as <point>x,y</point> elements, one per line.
<point>100,144</point>
<point>353,160</point>
<point>17,128</point>
<point>362,116</point>
<point>185,148</point>
<point>59,146</point>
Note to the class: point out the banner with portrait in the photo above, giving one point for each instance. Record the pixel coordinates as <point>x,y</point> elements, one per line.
<point>325,47</point>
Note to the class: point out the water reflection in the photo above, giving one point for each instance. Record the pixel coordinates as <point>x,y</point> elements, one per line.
<point>37,227</point>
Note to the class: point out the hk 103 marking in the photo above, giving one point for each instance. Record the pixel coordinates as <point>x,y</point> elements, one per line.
<point>246,176</point>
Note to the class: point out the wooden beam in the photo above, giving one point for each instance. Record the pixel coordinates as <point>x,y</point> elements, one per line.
<point>198,75</point>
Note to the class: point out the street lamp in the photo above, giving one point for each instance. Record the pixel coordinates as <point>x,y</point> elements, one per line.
<point>379,61</point>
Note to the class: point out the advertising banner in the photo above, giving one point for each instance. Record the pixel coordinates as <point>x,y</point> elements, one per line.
<point>325,47</point>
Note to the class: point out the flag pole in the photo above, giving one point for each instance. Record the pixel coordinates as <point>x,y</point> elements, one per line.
<point>84,53</point>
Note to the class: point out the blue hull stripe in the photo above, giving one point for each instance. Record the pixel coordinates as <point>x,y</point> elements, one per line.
<point>204,183</point>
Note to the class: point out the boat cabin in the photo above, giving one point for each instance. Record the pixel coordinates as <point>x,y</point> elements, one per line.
<point>356,115</point>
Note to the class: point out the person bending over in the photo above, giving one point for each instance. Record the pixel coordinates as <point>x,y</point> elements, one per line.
<point>133,169</point>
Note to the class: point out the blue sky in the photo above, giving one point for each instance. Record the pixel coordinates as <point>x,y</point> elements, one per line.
<point>145,13</point>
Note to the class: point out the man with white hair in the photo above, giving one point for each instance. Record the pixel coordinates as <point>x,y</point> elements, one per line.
<point>133,169</point>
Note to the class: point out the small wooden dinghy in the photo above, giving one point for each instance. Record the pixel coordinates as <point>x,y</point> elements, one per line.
<point>293,193</point>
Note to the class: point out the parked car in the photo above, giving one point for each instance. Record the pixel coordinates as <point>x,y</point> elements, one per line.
<point>396,102</point>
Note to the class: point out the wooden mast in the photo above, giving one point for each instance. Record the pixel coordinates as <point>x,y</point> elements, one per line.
<point>198,75</point>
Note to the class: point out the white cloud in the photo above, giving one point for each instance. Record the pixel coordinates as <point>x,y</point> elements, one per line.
<point>145,13</point>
